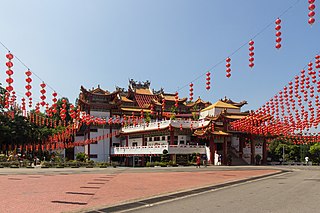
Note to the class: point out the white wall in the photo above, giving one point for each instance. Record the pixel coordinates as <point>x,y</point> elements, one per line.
<point>216,111</point>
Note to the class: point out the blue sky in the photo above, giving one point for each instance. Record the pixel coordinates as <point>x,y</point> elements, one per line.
<point>171,43</point>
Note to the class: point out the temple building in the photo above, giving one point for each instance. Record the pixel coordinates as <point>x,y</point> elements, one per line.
<point>138,101</point>
<point>162,122</point>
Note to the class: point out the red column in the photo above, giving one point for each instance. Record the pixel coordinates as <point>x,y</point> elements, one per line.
<point>171,136</point>
<point>253,151</point>
<point>127,140</point>
<point>127,158</point>
<point>212,149</point>
<point>143,163</point>
<point>240,146</point>
<point>264,151</point>
<point>225,151</point>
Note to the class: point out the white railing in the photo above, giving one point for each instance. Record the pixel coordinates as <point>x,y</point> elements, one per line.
<point>158,149</point>
<point>186,124</point>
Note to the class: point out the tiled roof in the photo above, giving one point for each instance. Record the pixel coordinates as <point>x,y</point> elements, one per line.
<point>144,100</point>
<point>134,110</point>
<point>125,99</point>
<point>220,104</point>
<point>143,91</point>
<point>172,98</point>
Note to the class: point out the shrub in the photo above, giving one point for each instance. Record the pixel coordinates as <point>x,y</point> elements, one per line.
<point>81,156</point>
<point>152,164</point>
<point>3,158</point>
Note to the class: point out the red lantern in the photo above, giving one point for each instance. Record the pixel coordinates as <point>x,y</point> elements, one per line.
<point>9,80</point>
<point>191,91</point>
<point>228,69</point>
<point>176,99</point>
<point>43,92</point>
<point>311,14</point>
<point>278,33</point>
<point>251,53</point>
<point>208,80</point>
<point>163,105</point>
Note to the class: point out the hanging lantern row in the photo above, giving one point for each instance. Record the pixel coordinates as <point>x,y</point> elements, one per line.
<point>278,33</point>
<point>23,104</point>
<point>28,87</point>
<point>228,67</point>
<point>9,79</point>
<point>176,99</point>
<point>191,91</point>
<point>311,13</point>
<point>251,53</point>
<point>43,92</point>
<point>296,108</point>
<point>208,80</point>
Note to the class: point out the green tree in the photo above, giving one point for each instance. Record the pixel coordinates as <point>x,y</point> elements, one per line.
<point>315,153</point>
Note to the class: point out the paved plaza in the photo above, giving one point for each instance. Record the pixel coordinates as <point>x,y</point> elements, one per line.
<point>85,189</point>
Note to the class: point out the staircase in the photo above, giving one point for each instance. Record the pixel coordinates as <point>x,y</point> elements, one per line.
<point>236,160</point>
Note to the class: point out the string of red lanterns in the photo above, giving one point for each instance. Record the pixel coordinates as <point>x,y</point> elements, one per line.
<point>228,67</point>
<point>311,13</point>
<point>191,91</point>
<point>208,78</point>
<point>251,53</point>
<point>278,33</point>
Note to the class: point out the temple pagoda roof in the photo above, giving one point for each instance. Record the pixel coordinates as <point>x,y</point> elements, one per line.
<point>229,101</point>
<point>198,101</point>
<point>98,91</point>
<point>171,97</point>
<point>220,104</point>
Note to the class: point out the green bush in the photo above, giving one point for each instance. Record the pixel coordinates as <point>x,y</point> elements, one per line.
<point>3,158</point>
<point>150,164</point>
<point>81,156</point>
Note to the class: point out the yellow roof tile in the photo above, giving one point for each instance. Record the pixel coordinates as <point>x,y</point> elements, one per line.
<point>220,104</point>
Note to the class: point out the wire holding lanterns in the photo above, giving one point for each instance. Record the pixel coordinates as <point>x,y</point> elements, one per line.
<point>251,53</point>
<point>278,33</point>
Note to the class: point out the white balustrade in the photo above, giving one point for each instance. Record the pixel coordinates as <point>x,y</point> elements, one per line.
<point>158,149</point>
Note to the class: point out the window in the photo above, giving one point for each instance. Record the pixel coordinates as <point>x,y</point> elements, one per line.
<point>157,138</point>
<point>150,139</point>
<point>134,144</point>
<point>181,142</point>
<point>163,138</point>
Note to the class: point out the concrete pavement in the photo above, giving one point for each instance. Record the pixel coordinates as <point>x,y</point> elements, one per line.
<point>84,189</point>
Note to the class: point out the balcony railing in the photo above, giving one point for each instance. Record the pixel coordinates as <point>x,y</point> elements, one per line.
<point>158,149</point>
<point>185,124</point>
